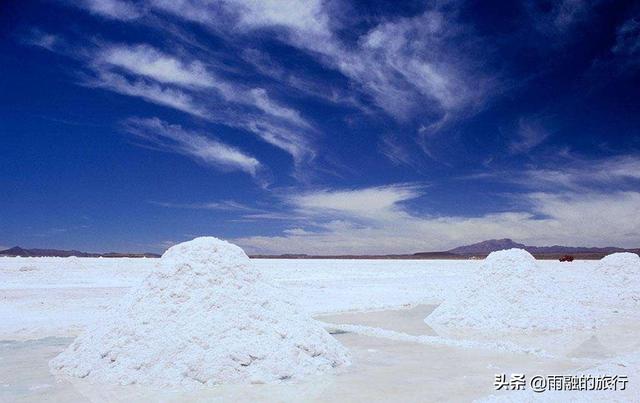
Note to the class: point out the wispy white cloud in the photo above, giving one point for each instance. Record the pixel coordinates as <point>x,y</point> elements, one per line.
<point>300,83</point>
<point>113,9</point>
<point>149,91</point>
<point>586,202</point>
<point>569,172</point>
<point>245,213</point>
<point>261,100</point>
<point>247,14</point>
<point>558,17</point>
<point>224,205</point>
<point>399,154</point>
<point>423,67</point>
<point>411,66</point>
<point>530,133</point>
<point>574,218</point>
<point>413,49</point>
<point>188,85</point>
<point>43,40</point>
<point>146,61</point>
<point>284,138</point>
<point>271,216</point>
<point>407,65</point>
<point>204,149</point>
<point>278,125</point>
<point>299,14</point>
<point>583,174</point>
<point>628,40</point>
<point>622,60</point>
<point>372,203</point>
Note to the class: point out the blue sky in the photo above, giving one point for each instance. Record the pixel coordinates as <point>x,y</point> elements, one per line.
<point>319,126</point>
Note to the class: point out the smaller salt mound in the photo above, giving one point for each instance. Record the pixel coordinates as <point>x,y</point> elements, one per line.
<point>619,280</point>
<point>511,292</point>
<point>624,264</point>
<point>204,317</point>
<point>73,262</point>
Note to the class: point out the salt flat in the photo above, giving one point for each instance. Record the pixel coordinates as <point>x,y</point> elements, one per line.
<point>57,296</point>
<point>44,302</point>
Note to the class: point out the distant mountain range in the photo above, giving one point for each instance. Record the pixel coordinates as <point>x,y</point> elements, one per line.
<point>480,249</point>
<point>486,247</point>
<point>492,245</point>
<point>18,251</point>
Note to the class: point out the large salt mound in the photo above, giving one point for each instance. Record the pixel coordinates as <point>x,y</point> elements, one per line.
<point>619,280</point>
<point>511,292</point>
<point>204,317</point>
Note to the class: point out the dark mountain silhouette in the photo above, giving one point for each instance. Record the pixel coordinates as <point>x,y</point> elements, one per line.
<point>18,251</point>
<point>486,247</point>
<point>480,249</point>
<point>15,251</point>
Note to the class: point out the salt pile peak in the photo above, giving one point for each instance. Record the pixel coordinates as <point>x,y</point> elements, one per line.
<point>621,264</point>
<point>204,317</point>
<point>619,280</point>
<point>511,292</point>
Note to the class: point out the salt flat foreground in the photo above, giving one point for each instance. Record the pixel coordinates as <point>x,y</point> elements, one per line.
<point>57,296</point>
<point>375,308</point>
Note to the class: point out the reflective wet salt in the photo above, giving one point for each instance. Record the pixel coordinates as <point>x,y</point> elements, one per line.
<point>383,370</point>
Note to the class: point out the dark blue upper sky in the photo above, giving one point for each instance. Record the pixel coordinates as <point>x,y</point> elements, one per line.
<point>319,126</point>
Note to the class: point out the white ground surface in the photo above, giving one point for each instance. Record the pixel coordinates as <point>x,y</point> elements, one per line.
<point>44,302</point>
<point>42,297</point>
